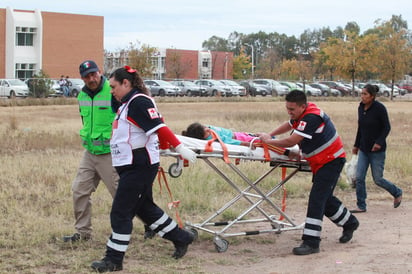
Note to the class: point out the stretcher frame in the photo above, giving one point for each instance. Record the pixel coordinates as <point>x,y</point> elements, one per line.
<point>250,192</point>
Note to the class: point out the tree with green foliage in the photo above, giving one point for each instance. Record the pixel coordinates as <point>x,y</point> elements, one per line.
<point>394,52</point>
<point>241,66</point>
<point>40,85</point>
<point>140,57</point>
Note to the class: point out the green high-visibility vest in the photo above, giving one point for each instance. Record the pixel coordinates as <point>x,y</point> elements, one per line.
<point>97,116</point>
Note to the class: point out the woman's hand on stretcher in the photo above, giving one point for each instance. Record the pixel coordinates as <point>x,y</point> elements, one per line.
<point>186,153</point>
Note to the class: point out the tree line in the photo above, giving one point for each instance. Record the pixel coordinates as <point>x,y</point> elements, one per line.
<point>383,52</point>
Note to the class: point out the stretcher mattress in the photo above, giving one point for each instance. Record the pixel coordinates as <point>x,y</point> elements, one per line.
<point>234,151</point>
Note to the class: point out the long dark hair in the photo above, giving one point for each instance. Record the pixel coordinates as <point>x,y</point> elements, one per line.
<point>133,76</point>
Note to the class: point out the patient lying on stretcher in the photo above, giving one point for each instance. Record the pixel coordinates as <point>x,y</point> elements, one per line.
<point>227,136</point>
<point>203,132</point>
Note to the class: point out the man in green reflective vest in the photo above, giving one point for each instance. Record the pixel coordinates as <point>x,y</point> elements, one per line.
<point>97,110</point>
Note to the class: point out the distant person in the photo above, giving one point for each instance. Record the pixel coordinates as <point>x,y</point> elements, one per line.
<point>322,147</point>
<point>137,130</point>
<point>97,110</point>
<point>370,146</point>
<point>63,85</point>
<point>68,85</point>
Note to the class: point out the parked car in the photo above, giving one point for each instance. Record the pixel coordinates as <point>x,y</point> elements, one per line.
<point>214,87</point>
<point>237,89</point>
<point>13,88</point>
<point>189,88</point>
<point>339,86</point>
<point>401,91</point>
<point>254,89</point>
<point>407,86</point>
<point>290,85</point>
<point>76,86</point>
<point>162,88</point>
<point>309,90</point>
<point>326,90</point>
<point>274,86</point>
<point>355,90</point>
<point>385,91</point>
<point>55,89</point>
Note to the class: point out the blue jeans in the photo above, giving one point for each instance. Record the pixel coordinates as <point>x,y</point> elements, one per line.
<point>377,162</point>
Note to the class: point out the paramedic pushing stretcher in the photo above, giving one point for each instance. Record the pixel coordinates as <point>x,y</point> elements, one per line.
<point>137,130</point>
<point>322,147</point>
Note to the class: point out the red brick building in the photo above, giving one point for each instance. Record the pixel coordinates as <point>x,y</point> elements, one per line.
<point>57,43</point>
<point>53,42</point>
<point>190,64</point>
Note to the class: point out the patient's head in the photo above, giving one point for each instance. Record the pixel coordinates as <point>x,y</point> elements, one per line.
<point>196,130</point>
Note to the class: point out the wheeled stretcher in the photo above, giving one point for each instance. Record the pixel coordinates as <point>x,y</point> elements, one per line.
<point>257,203</point>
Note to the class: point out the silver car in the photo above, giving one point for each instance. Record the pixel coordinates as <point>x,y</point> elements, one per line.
<point>162,88</point>
<point>189,88</point>
<point>76,86</point>
<point>309,90</point>
<point>214,87</point>
<point>274,86</point>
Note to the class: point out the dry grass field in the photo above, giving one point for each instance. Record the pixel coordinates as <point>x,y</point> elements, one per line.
<point>39,155</point>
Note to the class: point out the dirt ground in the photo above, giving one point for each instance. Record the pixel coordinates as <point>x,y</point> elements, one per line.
<point>382,244</point>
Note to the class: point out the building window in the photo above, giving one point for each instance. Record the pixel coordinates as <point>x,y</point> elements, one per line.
<point>25,71</point>
<point>205,63</point>
<point>25,36</point>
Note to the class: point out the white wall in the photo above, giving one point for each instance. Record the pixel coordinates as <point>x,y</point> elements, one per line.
<point>22,54</point>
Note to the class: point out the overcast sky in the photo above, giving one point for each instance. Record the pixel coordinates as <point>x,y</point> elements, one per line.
<point>185,24</point>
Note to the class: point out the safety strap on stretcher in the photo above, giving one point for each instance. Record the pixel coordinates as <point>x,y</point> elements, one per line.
<point>209,148</point>
<point>266,147</point>
<point>173,204</point>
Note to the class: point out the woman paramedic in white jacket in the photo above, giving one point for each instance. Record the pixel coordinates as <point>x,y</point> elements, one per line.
<point>137,130</point>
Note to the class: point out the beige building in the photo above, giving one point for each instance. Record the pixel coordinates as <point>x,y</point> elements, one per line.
<point>56,43</point>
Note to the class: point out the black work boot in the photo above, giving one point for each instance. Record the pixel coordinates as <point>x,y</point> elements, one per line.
<point>148,232</point>
<point>106,265</point>
<point>305,249</point>
<point>348,231</point>
<point>181,246</point>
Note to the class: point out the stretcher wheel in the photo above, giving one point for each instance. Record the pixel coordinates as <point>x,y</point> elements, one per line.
<point>174,170</point>
<point>221,245</point>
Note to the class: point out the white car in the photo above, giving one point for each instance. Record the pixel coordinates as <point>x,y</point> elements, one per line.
<point>385,91</point>
<point>13,88</point>
<point>237,90</point>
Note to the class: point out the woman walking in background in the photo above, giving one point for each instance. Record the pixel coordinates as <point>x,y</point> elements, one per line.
<point>370,145</point>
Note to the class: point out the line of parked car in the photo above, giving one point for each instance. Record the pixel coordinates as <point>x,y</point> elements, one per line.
<point>209,87</point>
<point>202,87</point>
<point>262,87</point>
